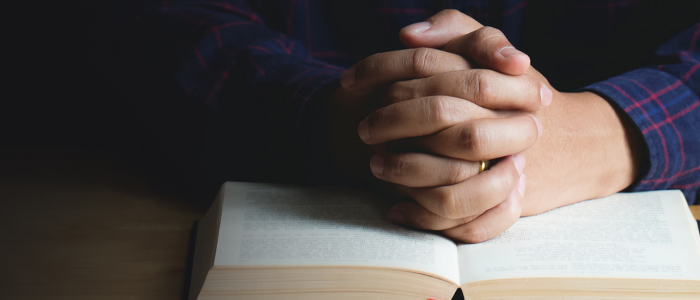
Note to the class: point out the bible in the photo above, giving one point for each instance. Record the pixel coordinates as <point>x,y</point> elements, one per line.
<point>271,241</point>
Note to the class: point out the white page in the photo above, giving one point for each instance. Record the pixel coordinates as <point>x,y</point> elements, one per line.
<point>280,225</point>
<point>639,235</point>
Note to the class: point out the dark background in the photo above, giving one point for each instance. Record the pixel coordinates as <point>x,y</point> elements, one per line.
<point>58,104</point>
<point>56,96</point>
<point>59,96</point>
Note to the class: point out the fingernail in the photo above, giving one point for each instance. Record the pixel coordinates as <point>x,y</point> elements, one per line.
<point>396,217</point>
<point>521,185</point>
<point>545,95</point>
<point>419,27</point>
<point>519,161</point>
<point>539,125</point>
<point>377,164</point>
<point>509,51</point>
<point>348,78</point>
<point>363,130</point>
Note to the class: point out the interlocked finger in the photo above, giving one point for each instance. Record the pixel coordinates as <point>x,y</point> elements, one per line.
<point>383,68</point>
<point>418,117</point>
<point>492,222</point>
<point>473,196</point>
<point>468,230</point>
<point>477,140</point>
<point>486,88</point>
<point>490,49</point>
<point>421,170</point>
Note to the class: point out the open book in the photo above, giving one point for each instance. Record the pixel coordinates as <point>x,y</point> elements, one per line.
<point>265,241</point>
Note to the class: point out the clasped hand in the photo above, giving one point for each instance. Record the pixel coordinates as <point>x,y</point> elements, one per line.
<point>462,94</point>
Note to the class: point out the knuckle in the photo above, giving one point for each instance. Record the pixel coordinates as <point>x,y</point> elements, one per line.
<point>378,119</point>
<point>474,140</point>
<point>399,167</point>
<point>503,180</point>
<point>368,64</point>
<point>438,111</point>
<point>532,86</point>
<point>457,172</point>
<point>505,183</point>
<point>453,205</point>
<point>486,33</point>
<point>423,60</point>
<point>447,201</point>
<point>397,92</point>
<point>484,89</point>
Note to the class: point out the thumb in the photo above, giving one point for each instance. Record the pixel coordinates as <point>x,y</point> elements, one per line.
<point>455,32</point>
<point>438,30</point>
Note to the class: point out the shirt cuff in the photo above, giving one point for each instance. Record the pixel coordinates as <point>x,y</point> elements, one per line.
<point>656,102</point>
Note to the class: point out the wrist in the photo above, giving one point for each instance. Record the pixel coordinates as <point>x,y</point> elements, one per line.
<point>588,150</point>
<point>618,144</point>
<point>631,142</point>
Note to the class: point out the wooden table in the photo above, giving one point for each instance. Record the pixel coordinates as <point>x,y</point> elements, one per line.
<point>83,225</point>
<point>79,225</point>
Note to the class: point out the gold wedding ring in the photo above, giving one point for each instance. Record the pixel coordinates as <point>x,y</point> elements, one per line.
<point>482,166</point>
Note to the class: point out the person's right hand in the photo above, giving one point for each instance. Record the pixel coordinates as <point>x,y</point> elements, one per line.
<point>435,101</point>
<point>581,128</point>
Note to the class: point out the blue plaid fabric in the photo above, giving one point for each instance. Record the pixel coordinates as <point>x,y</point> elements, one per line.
<point>241,56</point>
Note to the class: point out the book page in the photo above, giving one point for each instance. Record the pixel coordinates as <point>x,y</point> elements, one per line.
<point>280,225</point>
<point>637,235</point>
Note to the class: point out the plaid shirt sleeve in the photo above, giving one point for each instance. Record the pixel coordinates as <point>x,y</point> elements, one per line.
<point>663,102</point>
<point>223,54</point>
